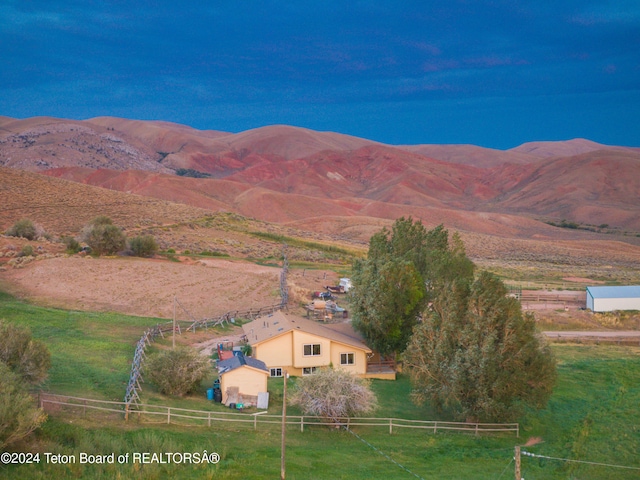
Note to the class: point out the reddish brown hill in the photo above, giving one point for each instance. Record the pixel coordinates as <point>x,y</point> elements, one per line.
<point>601,187</point>
<point>373,172</point>
<point>285,173</point>
<point>211,194</point>
<point>567,148</point>
<point>471,155</point>
<point>64,207</point>
<point>42,143</point>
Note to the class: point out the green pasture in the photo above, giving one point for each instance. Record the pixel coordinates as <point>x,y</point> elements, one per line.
<point>592,417</point>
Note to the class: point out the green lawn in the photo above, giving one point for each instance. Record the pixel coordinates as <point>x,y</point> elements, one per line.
<point>592,416</point>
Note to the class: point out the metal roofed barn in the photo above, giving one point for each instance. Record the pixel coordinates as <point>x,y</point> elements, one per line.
<point>608,299</point>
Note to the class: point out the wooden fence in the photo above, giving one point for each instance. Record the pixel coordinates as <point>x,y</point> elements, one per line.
<point>632,341</point>
<point>132,397</point>
<point>161,414</point>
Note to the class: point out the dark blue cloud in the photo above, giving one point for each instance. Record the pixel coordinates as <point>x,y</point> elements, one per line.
<point>411,72</point>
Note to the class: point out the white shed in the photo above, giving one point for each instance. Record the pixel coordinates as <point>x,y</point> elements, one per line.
<point>608,299</point>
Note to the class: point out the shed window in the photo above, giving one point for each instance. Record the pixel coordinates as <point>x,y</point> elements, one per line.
<point>276,372</point>
<point>311,350</point>
<point>347,359</point>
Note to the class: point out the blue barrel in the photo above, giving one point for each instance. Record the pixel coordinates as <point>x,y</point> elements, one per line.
<point>209,393</point>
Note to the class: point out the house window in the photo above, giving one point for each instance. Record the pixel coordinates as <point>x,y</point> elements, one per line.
<point>311,350</point>
<point>309,370</point>
<point>276,372</point>
<point>347,359</point>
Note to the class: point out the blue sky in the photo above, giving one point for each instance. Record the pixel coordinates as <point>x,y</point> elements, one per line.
<point>491,73</point>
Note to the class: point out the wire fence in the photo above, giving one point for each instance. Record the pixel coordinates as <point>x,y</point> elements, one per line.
<point>162,414</point>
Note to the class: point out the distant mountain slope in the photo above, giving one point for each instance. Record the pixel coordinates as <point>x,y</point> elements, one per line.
<point>42,143</point>
<point>471,155</point>
<point>282,174</point>
<point>599,187</point>
<point>561,149</point>
<point>64,207</point>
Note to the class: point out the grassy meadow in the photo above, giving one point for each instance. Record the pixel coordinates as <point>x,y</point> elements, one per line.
<point>592,416</point>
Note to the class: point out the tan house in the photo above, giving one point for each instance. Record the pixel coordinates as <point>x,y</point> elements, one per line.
<point>242,379</point>
<point>300,346</point>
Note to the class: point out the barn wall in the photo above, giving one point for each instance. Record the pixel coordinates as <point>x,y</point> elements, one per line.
<point>611,304</point>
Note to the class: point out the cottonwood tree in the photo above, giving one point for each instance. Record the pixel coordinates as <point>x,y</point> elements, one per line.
<point>478,355</point>
<point>333,395</point>
<point>177,372</point>
<point>393,284</point>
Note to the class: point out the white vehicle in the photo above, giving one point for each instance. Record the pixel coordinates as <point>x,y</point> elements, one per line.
<point>345,284</point>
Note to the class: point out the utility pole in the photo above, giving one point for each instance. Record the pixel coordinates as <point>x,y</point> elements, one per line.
<point>518,469</point>
<point>174,322</point>
<point>284,424</point>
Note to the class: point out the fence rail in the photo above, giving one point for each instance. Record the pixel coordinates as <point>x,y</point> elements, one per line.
<point>131,396</point>
<point>174,415</point>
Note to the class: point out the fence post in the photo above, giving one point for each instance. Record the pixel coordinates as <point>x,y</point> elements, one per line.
<point>390,426</point>
<point>255,422</point>
<point>169,415</point>
<point>301,423</point>
<point>209,419</point>
<point>435,427</point>
<point>477,429</point>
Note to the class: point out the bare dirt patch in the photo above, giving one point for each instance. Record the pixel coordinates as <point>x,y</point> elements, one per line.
<point>582,280</point>
<point>145,287</point>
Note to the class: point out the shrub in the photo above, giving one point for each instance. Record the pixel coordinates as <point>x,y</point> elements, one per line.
<point>333,395</point>
<point>104,237</point>
<point>26,357</point>
<point>143,246</point>
<point>73,246</point>
<point>179,371</point>
<point>18,414</point>
<point>27,251</point>
<point>24,228</point>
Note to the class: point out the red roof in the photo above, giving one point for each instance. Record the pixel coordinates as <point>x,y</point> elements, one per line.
<point>225,355</point>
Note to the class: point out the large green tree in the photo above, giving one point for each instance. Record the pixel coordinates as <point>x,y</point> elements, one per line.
<point>478,355</point>
<point>392,286</point>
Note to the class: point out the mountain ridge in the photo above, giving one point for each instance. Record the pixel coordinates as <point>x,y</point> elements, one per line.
<point>282,173</point>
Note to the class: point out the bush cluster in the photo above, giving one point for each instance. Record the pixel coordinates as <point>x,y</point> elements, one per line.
<point>25,228</point>
<point>23,362</point>
<point>177,372</point>
<point>143,246</point>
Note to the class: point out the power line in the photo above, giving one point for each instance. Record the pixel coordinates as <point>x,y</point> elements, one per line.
<point>505,468</point>
<point>528,454</point>
<point>382,453</point>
